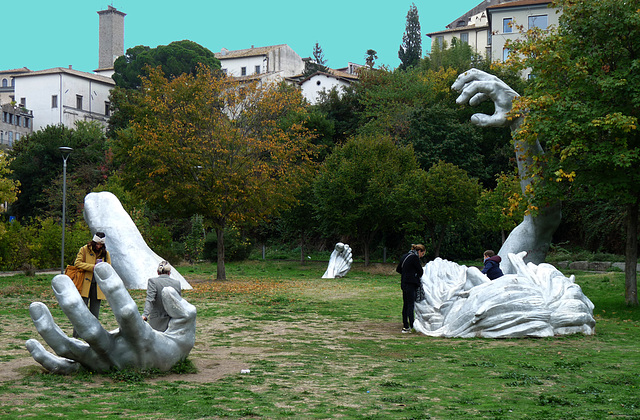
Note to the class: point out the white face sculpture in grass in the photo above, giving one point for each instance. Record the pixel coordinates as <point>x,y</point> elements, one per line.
<point>132,259</point>
<point>339,262</point>
<point>134,344</point>
<point>536,301</point>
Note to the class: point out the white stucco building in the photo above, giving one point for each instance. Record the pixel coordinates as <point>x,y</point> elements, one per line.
<point>273,63</point>
<point>312,85</point>
<point>64,96</point>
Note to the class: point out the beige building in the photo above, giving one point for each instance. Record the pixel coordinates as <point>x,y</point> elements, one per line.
<point>508,21</point>
<point>489,25</point>
<point>15,122</point>
<point>8,84</point>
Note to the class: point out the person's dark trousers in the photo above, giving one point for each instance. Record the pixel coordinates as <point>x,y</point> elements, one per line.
<point>409,292</point>
<point>93,302</point>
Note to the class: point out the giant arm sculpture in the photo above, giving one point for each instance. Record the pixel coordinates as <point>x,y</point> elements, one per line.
<point>534,234</point>
<point>134,344</point>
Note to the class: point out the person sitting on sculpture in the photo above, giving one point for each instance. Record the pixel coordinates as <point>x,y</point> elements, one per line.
<point>154,312</point>
<point>410,270</point>
<point>134,344</point>
<point>94,252</point>
<point>492,265</point>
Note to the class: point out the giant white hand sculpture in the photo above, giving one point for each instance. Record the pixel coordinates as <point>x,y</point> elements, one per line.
<point>534,234</point>
<point>339,262</point>
<point>132,259</point>
<point>134,344</point>
<point>538,301</point>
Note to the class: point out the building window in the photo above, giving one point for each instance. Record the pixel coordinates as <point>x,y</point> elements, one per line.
<point>5,117</point>
<point>464,38</point>
<point>224,71</point>
<point>10,118</point>
<point>10,138</point>
<point>13,82</point>
<point>489,37</point>
<point>54,101</point>
<point>540,21</point>
<point>107,108</point>
<point>17,136</point>
<point>18,120</point>
<point>507,25</point>
<point>505,54</point>
<point>23,102</point>
<point>440,41</point>
<point>243,71</point>
<point>79,102</point>
<point>257,69</point>
<point>26,122</point>
<point>1,137</point>
<point>5,83</point>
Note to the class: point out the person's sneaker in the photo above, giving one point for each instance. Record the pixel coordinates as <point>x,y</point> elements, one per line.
<point>406,330</point>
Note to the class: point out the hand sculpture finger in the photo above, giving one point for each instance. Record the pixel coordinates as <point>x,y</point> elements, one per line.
<point>182,326</point>
<point>476,86</point>
<point>71,303</point>
<point>61,344</point>
<point>124,308</point>
<point>49,361</point>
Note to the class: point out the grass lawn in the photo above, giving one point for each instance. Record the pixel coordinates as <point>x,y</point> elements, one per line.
<point>330,348</point>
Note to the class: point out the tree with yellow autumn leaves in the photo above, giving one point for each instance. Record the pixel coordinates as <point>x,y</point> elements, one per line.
<point>234,152</point>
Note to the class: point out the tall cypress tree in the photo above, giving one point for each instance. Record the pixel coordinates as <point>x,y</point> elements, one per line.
<point>411,48</point>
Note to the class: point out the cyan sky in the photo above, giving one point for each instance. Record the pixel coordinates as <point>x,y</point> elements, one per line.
<point>41,34</point>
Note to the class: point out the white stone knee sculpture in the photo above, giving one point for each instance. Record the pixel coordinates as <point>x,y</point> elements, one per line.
<point>340,262</point>
<point>132,259</point>
<point>135,344</point>
<point>537,301</point>
<point>534,234</point>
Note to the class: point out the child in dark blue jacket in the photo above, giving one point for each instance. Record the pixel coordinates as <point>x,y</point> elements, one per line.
<point>492,265</point>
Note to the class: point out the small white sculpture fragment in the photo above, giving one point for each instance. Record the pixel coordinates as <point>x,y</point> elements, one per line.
<point>135,344</point>
<point>537,301</point>
<point>340,262</point>
<point>131,257</point>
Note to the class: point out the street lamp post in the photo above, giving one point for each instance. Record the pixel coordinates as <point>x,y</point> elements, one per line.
<point>66,151</point>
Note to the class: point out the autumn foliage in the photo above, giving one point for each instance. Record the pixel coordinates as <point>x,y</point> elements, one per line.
<point>234,152</point>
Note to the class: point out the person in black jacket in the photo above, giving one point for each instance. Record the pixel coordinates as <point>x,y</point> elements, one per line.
<point>411,271</point>
<point>492,265</point>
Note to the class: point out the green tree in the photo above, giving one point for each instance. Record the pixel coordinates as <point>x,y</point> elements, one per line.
<point>459,56</point>
<point>583,106</point>
<point>318,62</point>
<point>371,57</point>
<point>8,187</point>
<point>439,199</point>
<point>212,146</point>
<point>410,51</point>
<point>502,208</point>
<point>318,55</point>
<point>179,57</point>
<point>341,111</point>
<point>175,59</point>
<point>37,164</point>
<point>354,191</point>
